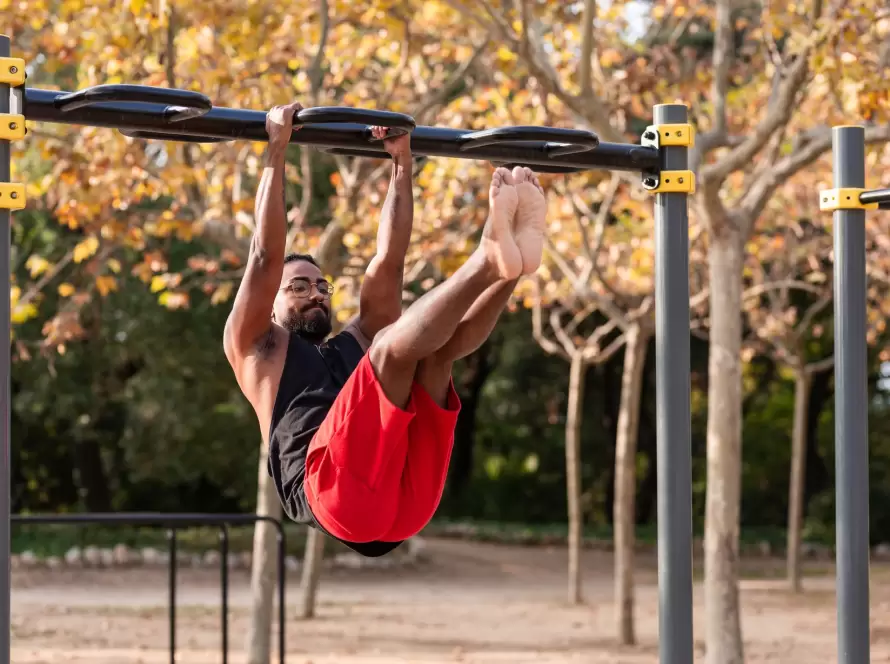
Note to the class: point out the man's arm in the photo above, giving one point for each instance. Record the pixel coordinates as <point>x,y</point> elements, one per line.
<point>380,301</point>
<point>250,320</point>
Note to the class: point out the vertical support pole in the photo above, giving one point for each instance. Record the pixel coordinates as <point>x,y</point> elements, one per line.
<point>171,590</point>
<point>673,429</point>
<point>282,584</point>
<point>5,361</point>
<point>851,404</point>
<point>224,585</point>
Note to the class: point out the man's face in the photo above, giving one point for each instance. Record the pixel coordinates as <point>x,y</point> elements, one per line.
<point>303,303</point>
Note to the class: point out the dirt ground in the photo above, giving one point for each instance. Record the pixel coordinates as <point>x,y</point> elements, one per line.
<point>470,603</point>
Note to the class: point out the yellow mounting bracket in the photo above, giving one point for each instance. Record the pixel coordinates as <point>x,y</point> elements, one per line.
<point>843,199</point>
<point>12,127</point>
<point>674,135</point>
<point>12,196</point>
<point>12,72</point>
<point>671,182</point>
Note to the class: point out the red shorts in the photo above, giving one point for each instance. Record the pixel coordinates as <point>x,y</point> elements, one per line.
<point>375,472</point>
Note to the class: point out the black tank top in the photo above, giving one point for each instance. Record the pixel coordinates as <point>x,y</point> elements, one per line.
<point>310,381</point>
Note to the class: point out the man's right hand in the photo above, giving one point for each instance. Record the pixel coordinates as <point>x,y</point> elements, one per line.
<point>280,123</point>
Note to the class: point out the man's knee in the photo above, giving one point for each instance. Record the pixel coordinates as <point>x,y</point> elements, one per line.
<point>392,367</point>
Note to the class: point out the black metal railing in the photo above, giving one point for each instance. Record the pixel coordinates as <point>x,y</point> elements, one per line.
<point>174,523</point>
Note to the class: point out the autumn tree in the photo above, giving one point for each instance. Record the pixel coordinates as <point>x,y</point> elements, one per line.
<point>124,195</point>
<point>741,159</point>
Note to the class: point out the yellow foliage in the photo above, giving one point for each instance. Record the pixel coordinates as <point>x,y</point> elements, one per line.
<point>66,290</point>
<point>36,265</point>
<point>85,249</point>
<point>222,293</point>
<point>106,284</point>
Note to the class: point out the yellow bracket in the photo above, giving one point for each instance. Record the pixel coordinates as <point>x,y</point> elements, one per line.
<point>676,135</point>
<point>675,182</point>
<point>12,71</point>
<point>843,199</point>
<point>12,196</point>
<point>12,127</point>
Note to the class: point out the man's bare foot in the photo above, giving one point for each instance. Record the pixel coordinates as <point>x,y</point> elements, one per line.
<point>531,221</point>
<point>498,245</point>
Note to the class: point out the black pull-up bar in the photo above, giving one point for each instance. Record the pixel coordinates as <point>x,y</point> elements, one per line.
<point>147,112</point>
<point>178,104</point>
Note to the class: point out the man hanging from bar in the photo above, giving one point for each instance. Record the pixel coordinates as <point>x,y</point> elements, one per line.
<point>360,426</point>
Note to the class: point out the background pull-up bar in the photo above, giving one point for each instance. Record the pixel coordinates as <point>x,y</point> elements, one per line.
<point>879,196</point>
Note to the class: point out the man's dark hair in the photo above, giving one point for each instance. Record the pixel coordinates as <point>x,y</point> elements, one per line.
<point>291,257</point>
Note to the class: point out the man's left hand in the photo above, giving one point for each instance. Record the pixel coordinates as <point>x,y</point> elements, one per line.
<point>398,147</point>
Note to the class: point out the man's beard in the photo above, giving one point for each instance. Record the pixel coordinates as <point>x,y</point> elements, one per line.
<point>313,325</point>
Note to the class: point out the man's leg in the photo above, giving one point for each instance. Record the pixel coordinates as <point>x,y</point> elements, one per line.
<point>436,405</point>
<point>431,321</point>
<point>434,372</point>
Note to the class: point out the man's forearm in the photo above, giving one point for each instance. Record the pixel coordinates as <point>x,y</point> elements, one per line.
<point>397,218</point>
<point>269,208</point>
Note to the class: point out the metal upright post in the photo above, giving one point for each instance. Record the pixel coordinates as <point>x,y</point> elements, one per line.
<point>672,340</point>
<point>5,474</point>
<point>851,404</point>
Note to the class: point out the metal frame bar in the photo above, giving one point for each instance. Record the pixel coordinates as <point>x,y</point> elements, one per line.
<point>153,121</point>
<point>173,523</point>
<point>5,360</point>
<point>851,403</point>
<point>673,428</point>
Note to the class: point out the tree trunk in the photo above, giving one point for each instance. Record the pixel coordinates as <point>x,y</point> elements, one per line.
<point>802,383</point>
<point>477,368</point>
<point>311,572</point>
<point>263,568</point>
<point>724,434</point>
<point>635,346</point>
<point>573,473</point>
<point>92,478</point>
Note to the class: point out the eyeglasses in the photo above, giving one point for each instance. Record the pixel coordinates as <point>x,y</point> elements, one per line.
<point>303,288</point>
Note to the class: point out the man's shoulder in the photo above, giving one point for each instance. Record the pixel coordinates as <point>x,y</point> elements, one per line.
<point>354,332</point>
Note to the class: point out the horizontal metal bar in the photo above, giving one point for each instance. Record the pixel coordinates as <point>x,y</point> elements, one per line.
<point>238,124</point>
<point>879,196</point>
<point>142,519</point>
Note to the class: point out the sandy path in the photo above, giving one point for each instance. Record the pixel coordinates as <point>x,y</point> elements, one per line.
<point>472,603</point>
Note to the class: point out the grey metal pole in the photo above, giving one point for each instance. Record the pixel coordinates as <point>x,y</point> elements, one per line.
<point>851,404</point>
<point>5,475</point>
<point>674,445</point>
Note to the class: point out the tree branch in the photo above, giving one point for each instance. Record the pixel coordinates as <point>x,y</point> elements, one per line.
<point>587,43</point>
<point>316,71</point>
<point>721,62</point>
<point>812,311</point>
<point>580,317</point>
<point>548,345</point>
<point>558,330</point>
<point>443,92</point>
<point>715,174</point>
<point>48,276</point>
<point>591,354</point>
<point>755,200</point>
<point>820,365</point>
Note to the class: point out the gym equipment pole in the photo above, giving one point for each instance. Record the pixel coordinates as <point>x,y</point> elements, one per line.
<point>5,474</point>
<point>674,446</point>
<point>851,403</point>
